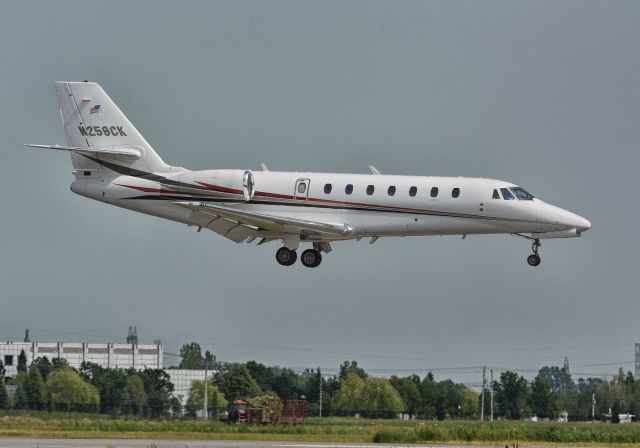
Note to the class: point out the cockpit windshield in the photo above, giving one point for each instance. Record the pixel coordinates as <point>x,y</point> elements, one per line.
<point>522,194</point>
<point>506,194</point>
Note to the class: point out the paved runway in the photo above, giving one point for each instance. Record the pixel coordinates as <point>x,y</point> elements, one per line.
<point>21,442</point>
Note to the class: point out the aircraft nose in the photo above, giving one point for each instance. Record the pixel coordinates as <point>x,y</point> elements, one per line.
<point>576,221</point>
<point>583,224</point>
<point>565,218</point>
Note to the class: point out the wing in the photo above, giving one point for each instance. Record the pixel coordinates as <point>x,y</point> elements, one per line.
<point>256,223</point>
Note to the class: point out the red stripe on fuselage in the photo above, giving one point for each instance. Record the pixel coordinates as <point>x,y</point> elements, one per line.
<point>273,195</point>
<point>149,190</point>
<point>219,188</point>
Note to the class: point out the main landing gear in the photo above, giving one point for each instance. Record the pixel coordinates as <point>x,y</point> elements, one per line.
<point>534,259</point>
<point>310,258</point>
<point>286,257</point>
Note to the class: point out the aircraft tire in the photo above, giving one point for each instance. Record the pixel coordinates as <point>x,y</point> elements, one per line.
<point>318,260</point>
<point>286,257</point>
<point>534,260</point>
<point>311,258</point>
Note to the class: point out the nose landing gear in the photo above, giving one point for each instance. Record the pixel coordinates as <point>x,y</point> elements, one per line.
<point>534,259</point>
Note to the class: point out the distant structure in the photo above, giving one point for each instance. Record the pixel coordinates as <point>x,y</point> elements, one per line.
<point>625,418</point>
<point>125,356</point>
<point>132,337</point>
<point>182,380</point>
<point>637,361</point>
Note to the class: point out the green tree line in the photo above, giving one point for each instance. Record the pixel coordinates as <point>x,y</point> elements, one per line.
<point>54,385</point>
<point>553,391</point>
<point>352,391</point>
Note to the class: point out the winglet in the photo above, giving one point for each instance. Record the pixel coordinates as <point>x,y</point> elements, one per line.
<point>374,170</point>
<point>264,167</point>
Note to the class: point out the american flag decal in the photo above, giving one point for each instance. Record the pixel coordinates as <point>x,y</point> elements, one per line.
<point>94,110</point>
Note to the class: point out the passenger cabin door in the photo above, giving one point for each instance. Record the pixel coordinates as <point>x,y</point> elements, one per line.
<point>301,191</point>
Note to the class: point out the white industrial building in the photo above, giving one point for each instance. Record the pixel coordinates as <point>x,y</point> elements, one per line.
<point>123,356</point>
<point>182,379</point>
<point>107,355</point>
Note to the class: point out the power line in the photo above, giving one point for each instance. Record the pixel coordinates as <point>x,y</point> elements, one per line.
<point>333,350</point>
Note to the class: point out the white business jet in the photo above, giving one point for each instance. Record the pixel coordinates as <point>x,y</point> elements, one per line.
<point>113,163</point>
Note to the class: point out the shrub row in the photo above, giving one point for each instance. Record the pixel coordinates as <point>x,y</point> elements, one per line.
<point>510,432</point>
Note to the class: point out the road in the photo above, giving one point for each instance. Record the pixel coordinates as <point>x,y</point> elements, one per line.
<point>23,442</point>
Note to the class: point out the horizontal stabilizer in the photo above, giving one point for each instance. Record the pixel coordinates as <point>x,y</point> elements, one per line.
<point>127,153</point>
<point>58,147</point>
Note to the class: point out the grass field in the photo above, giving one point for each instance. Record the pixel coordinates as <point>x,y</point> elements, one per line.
<point>44,424</point>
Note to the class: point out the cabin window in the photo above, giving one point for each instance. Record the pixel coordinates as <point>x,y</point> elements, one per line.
<point>302,187</point>
<point>522,194</point>
<point>455,192</point>
<point>413,191</point>
<point>370,189</point>
<point>506,194</point>
<point>391,190</point>
<point>434,192</point>
<point>348,189</point>
<point>327,188</point>
<point>496,195</point>
<point>87,173</point>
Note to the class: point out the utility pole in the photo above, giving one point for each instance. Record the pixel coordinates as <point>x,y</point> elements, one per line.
<point>491,394</point>
<point>484,371</point>
<point>320,381</point>
<point>593,408</point>
<point>637,362</point>
<point>205,410</point>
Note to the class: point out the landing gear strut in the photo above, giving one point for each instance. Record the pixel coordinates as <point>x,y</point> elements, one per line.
<point>286,257</point>
<point>534,259</point>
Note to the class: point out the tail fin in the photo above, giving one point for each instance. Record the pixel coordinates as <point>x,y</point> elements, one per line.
<point>92,120</point>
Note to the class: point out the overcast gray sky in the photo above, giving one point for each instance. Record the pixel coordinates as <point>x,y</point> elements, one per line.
<point>544,94</point>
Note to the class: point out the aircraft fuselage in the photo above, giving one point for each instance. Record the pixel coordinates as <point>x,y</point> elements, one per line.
<point>397,205</point>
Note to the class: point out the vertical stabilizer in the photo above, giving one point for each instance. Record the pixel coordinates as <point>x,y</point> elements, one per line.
<point>92,120</point>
